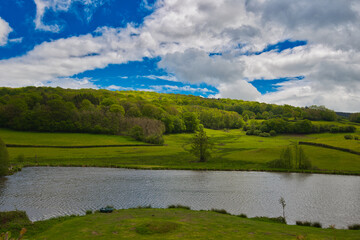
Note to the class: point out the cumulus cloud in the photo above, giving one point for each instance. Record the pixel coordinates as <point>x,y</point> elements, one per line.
<point>5,29</point>
<point>184,33</point>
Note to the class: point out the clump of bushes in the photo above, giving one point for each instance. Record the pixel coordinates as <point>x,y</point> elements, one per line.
<point>348,137</point>
<point>269,219</point>
<point>179,206</point>
<point>309,224</point>
<point>88,212</point>
<point>354,227</point>
<point>242,215</point>
<point>222,211</point>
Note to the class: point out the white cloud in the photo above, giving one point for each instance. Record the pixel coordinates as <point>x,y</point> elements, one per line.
<point>5,30</point>
<point>61,6</point>
<point>183,33</point>
<point>73,83</point>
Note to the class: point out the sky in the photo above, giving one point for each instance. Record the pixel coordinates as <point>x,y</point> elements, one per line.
<point>300,53</point>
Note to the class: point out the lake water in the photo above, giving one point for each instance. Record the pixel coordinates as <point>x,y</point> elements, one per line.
<point>45,192</point>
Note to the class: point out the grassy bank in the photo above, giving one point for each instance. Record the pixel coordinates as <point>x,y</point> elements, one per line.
<point>234,151</point>
<point>174,224</point>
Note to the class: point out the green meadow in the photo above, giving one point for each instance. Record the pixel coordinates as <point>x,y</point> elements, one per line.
<point>173,224</point>
<point>233,151</point>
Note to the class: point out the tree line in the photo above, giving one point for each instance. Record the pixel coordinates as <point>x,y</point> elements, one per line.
<point>144,115</point>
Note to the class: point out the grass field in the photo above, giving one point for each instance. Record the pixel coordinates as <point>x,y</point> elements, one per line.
<point>233,151</point>
<point>173,224</point>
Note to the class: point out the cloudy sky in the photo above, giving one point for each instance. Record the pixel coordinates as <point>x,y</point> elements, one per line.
<point>277,51</point>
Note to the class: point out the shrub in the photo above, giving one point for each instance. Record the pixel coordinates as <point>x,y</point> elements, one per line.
<point>179,206</point>
<point>354,227</point>
<point>222,211</point>
<point>272,133</point>
<point>269,219</point>
<point>305,223</point>
<point>88,212</point>
<point>137,133</point>
<point>316,224</point>
<point>348,137</point>
<point>257,132</point>
<point>356,138</point>
<point>155,139</point>
<point>264,134</point>
<point>242,215</point>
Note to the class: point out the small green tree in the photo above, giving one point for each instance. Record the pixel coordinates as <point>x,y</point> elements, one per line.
<point>287,158</point>
<point>4,159</point>
<point>200,145</point>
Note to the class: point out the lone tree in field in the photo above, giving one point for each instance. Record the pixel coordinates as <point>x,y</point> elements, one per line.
<point>4,159</point>
<point>200,145</point>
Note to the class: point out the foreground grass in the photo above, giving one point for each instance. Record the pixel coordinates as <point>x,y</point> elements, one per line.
<point>234,151</point>
<point>174,224</point>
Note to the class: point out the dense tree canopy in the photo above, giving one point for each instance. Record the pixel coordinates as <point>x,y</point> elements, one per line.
<point>118,112</point>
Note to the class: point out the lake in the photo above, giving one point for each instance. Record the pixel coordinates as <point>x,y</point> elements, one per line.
<point>45,192</point>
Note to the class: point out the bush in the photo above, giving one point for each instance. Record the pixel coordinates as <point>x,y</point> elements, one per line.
<point>356,138</point>
<point>88,212</point>
<point>316,224</point>
<point>272,133</point>
<point>269,219</point>
<point>264,134</point>
<point>348,137</point>
<point>257,132</point>
<point>137,133</point>
<point>305,223</point>
<point>179,206</point>
<point>155,139</point>
<point>354,227</point>
<point>222,211</point>
<point>242,215</point>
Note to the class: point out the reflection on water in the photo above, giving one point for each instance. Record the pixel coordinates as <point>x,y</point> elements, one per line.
<point>45,192</point>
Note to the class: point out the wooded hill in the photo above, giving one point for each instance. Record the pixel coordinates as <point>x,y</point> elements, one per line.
<point>147,115</point>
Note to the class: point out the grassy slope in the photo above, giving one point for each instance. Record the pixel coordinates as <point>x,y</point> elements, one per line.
<point>175,224</point>
<point>234,151</point>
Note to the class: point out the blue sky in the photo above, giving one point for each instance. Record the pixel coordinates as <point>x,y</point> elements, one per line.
<point>269,51</point>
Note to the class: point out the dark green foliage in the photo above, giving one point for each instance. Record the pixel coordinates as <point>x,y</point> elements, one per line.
<point>200,145</point>
<point>305,223</point>
<point>222,211</point>
<point>137,133</point>
<point>356,138</point>
<point>287,158</point>
<point>348,137</point>
<point>13,221</point>
<point>113,112</point>
<point>179,206</point>
<point>264,134</point>
<point>269,219</point>
<point>4,159</point>
<point>272,133</point>
<point>292,159</point>
<point>316,224</point>
<point>242,215</point>
<point>355,117</point>
<point>354,227</point>
<point>88,212</point>
<point>309,224</point>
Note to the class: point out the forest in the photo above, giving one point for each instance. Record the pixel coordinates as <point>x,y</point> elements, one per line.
<point>146,116</point>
